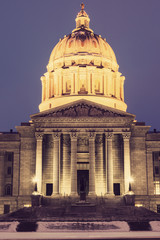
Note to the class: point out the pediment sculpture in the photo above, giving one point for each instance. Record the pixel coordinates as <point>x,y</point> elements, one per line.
<point>83,110</point>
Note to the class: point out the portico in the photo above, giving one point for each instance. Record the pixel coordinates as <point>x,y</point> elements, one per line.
<point>68,150</point>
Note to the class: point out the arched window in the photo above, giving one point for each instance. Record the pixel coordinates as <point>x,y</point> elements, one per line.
<point>70,44</point>
<point>95,44</point>
<point>8,190</point>
<point>82,43</point>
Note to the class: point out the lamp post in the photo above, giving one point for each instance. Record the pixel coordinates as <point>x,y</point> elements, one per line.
<point>36,196</point>
<point>131,180</point>
<point>129,197</point>
<point>34,180</point>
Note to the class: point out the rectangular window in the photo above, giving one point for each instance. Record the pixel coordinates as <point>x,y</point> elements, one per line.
<point>6,208</point>
<point>9,170</point>
<point>156,170</point>
<point>158,208</point>
<point>156,166</point>
<point>157,187</point>
<point>10,156</point>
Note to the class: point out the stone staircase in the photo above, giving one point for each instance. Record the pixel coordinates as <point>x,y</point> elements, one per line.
<point>98,209</point>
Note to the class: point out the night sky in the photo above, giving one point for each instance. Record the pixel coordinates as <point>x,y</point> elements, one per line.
<point>29,30</point>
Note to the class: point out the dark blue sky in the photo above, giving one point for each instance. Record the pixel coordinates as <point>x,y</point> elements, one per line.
<point>29,30</point>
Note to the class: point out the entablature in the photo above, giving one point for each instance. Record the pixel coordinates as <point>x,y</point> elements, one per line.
<point>84,130</point>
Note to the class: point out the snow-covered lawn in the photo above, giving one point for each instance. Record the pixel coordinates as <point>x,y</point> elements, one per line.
<point>155,225</point>
<point>8,226</point>
<point>115,226</point>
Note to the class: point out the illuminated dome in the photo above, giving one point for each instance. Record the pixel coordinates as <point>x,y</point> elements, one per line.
<point>82,66</point>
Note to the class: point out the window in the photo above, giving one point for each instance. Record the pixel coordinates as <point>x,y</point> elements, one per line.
<point>156,167</point>
<point>6,208</point>
<point>156,170</point>
<point>156,187</point>
<point>8,190</point>
<point>95,44</point>
<point>158,208</point>
<point>10,156</point>
<point>9,170</point>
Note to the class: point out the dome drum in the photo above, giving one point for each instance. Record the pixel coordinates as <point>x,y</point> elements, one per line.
<point>81,82</point>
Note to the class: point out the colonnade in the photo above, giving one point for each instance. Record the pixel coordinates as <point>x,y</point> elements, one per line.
<point>73,79</point>
<point>73,166</point>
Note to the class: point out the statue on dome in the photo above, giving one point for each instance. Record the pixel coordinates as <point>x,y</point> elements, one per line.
<point>82,6</point>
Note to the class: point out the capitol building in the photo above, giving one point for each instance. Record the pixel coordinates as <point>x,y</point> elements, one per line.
<point>83,140</point>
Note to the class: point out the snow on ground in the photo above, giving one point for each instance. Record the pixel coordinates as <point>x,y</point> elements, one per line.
<point>114,226</point>
<point>155,225</point>
<point>8,226</point>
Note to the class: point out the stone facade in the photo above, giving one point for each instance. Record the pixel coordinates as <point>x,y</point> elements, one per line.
<point>83,142</point>
<point>62,146</point>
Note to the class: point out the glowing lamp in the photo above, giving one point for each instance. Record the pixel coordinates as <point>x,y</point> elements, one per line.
<point>131,180</point>
<point>34,180</point>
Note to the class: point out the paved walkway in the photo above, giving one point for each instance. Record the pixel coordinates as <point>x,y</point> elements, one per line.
<point>80,235</point>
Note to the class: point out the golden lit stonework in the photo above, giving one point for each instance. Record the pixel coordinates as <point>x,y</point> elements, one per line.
<point>82,66</point>
<point>82,147</point>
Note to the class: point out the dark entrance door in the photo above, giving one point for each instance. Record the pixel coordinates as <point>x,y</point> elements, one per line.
<point>49,189</point>
<point>117,188</point>
<point>83,183</point>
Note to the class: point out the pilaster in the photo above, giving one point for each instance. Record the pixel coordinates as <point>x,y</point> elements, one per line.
<point>39,141</point>
<point>56,140</point>
<point>127,168</point>
<point>2,159</point>
<point>92,163</point>
<point>109,164</point>
<point>73,136</point>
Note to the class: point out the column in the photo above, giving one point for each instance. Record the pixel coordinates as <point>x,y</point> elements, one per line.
<point>72,83</point>
<point>91,163</point>
<point>56,84</point>
<point>101,81</point>
<point>149,168</point>
<point>2,159</point>
<point>89,81</point>
<point>43,79</point>
<point>109,163</point>
<point>47,85</point>
<point>56,140</point>
<point>122,78</point>
<point>73,136</point>
<point>105,83</point>
<point>39,141</point>
<point>60,84</point>
<point>76,82</point>
<point>106,161</point>
<point>93,83</point>
<point>109,83</point>
<point>126,138</point>
<point>64,81</point>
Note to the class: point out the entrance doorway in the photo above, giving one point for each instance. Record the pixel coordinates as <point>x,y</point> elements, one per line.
<point>82,183</point>
<point>49,189</point>
<point>117,189</point>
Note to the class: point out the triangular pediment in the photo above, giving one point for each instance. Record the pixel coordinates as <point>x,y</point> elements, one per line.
<point>82,108</point>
